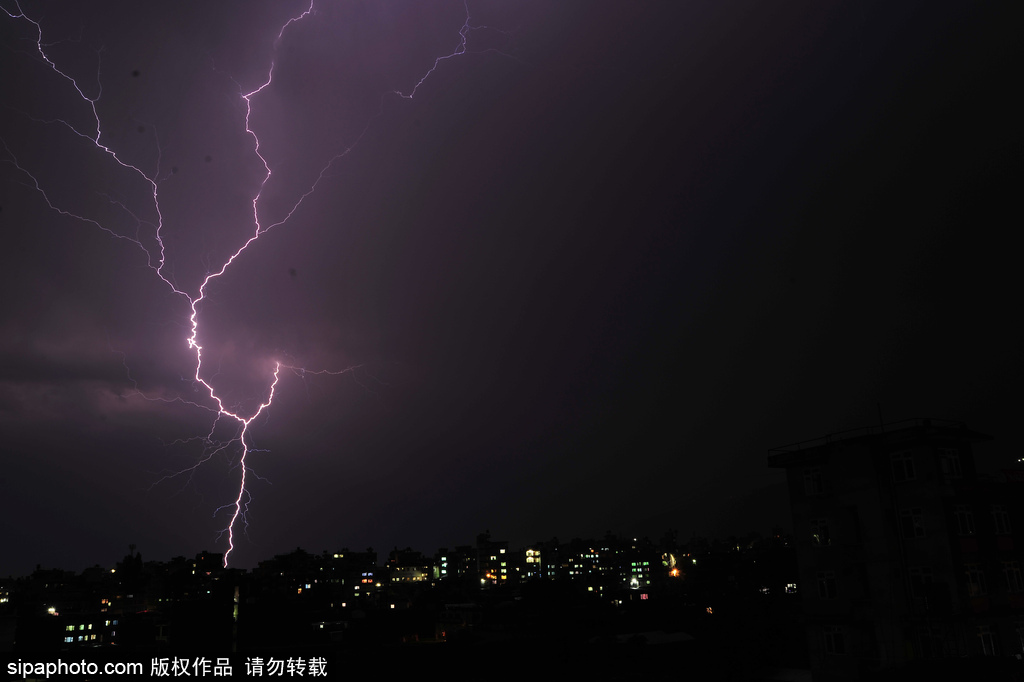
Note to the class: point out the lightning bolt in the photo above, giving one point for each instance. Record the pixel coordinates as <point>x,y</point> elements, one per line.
<point>156,254</point>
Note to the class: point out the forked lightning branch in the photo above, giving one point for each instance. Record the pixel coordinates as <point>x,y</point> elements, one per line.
<point>80,96</point>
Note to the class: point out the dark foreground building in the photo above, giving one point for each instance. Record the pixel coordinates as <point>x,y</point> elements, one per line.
<point>907,556</point>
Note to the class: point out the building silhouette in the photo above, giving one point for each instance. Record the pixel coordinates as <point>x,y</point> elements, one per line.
<point>907,555</point>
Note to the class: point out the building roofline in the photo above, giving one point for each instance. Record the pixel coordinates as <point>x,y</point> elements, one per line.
<point>881,429</point>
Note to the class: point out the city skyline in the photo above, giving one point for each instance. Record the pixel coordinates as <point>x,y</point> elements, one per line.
<point>583,281</point>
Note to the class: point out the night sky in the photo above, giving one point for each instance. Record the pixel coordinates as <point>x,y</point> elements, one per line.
<point>586,277</point>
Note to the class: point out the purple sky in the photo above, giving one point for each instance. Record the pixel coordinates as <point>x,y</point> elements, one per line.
<point>589,274</point>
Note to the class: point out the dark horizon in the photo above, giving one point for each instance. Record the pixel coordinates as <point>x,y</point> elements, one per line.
<point>587,277</point>
<point>771,502</point>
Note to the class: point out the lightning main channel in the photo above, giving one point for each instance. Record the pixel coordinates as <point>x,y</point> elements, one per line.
<point>157,256</point>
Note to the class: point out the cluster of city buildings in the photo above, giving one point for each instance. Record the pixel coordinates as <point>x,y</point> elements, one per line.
<point>901,554</point>
<point>304,597</point>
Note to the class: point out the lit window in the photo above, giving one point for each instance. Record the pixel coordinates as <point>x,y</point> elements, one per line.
<point>819,533</point>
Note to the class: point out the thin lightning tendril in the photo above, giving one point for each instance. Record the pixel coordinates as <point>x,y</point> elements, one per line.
<point>157,261</point>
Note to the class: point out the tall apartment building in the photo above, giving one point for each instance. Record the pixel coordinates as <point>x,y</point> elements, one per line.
<point>905,553</point>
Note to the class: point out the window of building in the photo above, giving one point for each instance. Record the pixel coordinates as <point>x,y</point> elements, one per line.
<point>964,519</point>
<point>949,461</point>
<point>1001,519</point>
<point>976,583</point>
<point>835,640</point>
<point>1012,576</point>
<point>812,481</point>
<point>932,641</point>
<point>988,640</point>
<point>819,533</point>
<point>920,579</point>
<point>827,584</point>
<point>902,466</point>
<point>912,523</point>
